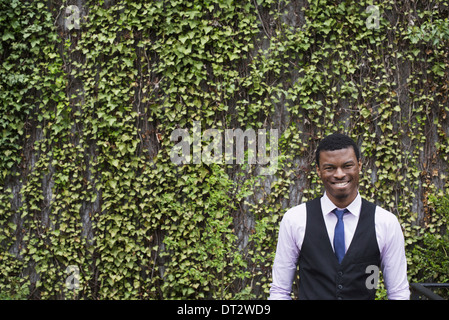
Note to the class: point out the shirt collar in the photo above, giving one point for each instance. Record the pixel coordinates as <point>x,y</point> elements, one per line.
<point>327,206</point>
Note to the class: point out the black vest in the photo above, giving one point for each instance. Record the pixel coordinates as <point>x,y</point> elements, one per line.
<point>321,277</point>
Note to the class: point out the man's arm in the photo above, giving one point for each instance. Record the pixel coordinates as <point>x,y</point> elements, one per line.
<point>291,233</point>
<point>394,263</point>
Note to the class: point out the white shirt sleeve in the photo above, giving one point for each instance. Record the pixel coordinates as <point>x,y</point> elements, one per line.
<point>392,253</point>
<point>291,236</point>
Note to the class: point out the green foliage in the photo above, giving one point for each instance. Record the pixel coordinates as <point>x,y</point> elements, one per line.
<point>429,256</point>
<point>86,116</point>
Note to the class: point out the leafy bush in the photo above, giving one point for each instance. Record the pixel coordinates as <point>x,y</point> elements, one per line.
<point>429,257</point>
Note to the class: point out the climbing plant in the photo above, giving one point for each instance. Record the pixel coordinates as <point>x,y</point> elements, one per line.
<point>93,207</point>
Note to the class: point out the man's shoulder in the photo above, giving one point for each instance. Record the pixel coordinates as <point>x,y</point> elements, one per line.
<point>295,213</point>
<point>298,209</point>
<point>384,216</point>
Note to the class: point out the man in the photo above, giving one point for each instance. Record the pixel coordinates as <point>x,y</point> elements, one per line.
<point>339,240</point>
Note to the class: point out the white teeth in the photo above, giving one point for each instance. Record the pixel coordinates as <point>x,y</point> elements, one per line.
<point>342,184</point>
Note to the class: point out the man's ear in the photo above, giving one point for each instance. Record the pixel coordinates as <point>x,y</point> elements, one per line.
<point>318,170</point>
<point>360,165</point>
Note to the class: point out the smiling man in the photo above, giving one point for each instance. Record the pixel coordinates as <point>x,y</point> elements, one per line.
<point>339,240</point>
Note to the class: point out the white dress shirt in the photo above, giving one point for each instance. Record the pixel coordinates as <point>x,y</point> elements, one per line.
<point>389,238</point>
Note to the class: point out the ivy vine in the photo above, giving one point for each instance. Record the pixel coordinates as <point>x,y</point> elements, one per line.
<point>87,112</point>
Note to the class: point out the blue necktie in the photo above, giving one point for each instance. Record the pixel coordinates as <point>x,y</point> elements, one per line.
<point>339,235</point>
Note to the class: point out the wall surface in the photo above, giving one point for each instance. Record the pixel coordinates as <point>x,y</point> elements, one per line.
<point>92,204</point>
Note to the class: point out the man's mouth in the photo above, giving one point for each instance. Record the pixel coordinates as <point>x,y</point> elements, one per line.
<point>341,184</point>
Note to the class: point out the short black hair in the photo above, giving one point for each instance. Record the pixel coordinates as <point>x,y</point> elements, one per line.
<point>336,141</point>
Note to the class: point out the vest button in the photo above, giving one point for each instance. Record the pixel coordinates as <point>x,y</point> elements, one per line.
<point>340,286</point>
<point>340,273</point>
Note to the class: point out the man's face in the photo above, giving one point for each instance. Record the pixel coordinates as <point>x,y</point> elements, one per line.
<point>339,170</point>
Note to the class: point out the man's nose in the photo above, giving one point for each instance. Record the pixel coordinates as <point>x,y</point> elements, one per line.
<point>339,174</point>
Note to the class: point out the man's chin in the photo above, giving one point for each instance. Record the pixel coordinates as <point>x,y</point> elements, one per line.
<point>342,195</point>
<point>339,194</point>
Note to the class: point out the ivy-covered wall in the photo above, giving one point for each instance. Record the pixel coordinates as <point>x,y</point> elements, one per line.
<point>91,91</point>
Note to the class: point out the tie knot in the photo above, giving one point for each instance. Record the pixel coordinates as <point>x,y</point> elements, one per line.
<point>340,213</point>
